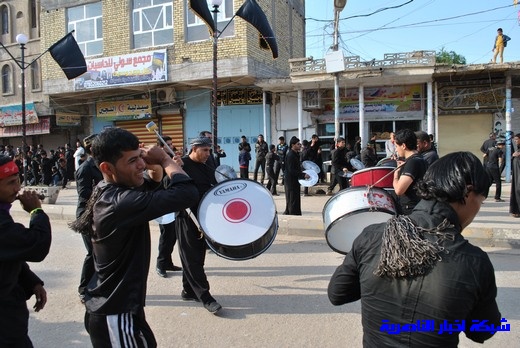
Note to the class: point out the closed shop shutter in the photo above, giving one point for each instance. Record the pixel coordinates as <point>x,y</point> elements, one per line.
<point>172,126</point>
<point>138,127</point>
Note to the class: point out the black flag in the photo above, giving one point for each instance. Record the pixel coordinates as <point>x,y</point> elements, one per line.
<point>201,9</point>
<point>67,54</point>
<point>251,12</point>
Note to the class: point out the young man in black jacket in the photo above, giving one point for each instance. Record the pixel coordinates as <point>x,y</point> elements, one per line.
<point>117,219</point>
<point>417,274</point>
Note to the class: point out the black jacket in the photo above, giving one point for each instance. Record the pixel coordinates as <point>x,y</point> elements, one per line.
<point>460,287</point>
<point>18,245</point>
<point>121,241</point>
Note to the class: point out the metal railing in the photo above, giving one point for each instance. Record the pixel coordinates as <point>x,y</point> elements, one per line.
<point>310,65</point>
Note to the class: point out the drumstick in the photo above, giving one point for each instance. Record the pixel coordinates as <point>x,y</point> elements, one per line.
<point>152,127</point>
<point>387,174</point>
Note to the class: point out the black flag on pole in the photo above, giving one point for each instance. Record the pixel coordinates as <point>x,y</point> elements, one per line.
<point>251,12</point>
<point>67,54</point>
<point>201,9</point>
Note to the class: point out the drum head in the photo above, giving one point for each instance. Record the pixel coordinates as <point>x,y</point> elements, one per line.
<point>357,164</point>
<point>238,218</point>
<point>311,181</point>
<point>224,172</point>
<point>341,233</point>
<point>311,165</point>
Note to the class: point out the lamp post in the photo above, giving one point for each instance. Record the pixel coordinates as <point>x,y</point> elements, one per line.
<point>214,113</point>
<point>22,40</point>
<point>338,7</point>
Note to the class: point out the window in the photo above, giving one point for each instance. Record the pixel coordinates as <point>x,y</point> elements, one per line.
<point>35,76</point>
<point>34,19</point>
<point>196,29</point>
<point>6,79</point>
<point>4,15</point>
<point>152,23</point>
<point>225,12</point>
<point>86,20</point>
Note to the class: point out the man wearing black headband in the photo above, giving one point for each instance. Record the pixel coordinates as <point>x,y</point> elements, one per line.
<point>17,246</point>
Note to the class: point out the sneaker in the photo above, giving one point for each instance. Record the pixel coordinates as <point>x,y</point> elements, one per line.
<point>499,200</point>
<point>173,268</point>
<point>329,193</point>
<point>189,297</point>
<point>161,272</point>
<point>213,307</point>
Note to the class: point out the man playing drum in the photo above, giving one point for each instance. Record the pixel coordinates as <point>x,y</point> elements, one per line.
<point>417,277</point>
<point>192,246</point>
<point>412,169</point>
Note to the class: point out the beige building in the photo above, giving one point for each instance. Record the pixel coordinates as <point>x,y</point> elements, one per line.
<point>153,60</point>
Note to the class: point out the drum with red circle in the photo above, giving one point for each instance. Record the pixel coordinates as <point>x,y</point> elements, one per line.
<point>239,219</point>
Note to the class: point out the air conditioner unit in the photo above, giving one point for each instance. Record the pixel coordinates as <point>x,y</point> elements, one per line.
<point>166,95</point>
<point>312,100</point>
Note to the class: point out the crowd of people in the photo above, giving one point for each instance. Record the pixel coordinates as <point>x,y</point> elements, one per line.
<point>48,167</point>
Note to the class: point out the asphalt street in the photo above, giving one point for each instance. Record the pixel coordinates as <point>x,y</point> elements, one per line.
<point>275,300</point>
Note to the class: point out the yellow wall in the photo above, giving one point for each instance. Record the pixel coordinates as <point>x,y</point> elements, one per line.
<point>464,133</point>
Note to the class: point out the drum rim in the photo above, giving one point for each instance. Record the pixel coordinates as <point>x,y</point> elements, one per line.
<point>365,210</point>
<point>271,232</point>
<point>351,188</point>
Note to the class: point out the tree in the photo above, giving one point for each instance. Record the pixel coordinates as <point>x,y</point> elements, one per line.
<point>445,57</point>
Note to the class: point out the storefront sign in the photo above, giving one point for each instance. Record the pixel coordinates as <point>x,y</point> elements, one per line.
<point>134,109</point>
<point>65,119</point>
<point>128,69</point>
<point>42,127</point>
<point>11,115</point>
<point>387,100</point>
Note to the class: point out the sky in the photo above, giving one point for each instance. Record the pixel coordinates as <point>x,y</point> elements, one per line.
<point>391,26</point>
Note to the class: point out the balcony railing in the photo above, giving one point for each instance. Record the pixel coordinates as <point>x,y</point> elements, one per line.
<point>309,65</point>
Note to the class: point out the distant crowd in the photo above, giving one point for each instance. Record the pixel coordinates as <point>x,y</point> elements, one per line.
<point>48,167</point>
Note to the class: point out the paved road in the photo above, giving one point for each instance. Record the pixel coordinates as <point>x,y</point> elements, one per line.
<point>275,300</point>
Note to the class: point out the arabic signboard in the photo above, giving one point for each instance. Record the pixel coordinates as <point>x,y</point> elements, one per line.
<point>42,127</point>
<point>134,109</point>
<point>128,69</point>
<point>67,119</point>
<point>11,115</point>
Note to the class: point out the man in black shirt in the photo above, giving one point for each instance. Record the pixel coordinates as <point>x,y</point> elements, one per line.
<point>495,157</point>
<point>413,168</point>
<point>192,245</point>
<point>117,220</point>
<point>486,145</point>
<point>261,150</point>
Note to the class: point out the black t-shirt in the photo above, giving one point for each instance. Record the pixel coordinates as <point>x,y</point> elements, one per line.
<point>493,156</point>
<point>415,166</point>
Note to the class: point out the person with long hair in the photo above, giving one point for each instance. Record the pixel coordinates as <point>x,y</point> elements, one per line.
<point>418,271</point>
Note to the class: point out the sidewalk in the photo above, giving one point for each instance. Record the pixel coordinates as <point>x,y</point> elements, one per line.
<point>493,226</point>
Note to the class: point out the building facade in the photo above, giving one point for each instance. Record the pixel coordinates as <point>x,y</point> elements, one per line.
<point>153,60</point>
<point>459,104</point>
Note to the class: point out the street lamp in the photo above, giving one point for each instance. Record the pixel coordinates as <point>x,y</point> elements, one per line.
<point>338,7</point>
<point>22,40</point>
<point>216,4</point>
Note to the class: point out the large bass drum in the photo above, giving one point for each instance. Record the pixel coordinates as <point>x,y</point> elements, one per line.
<point>347,213</point>
<point>238,218</point>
